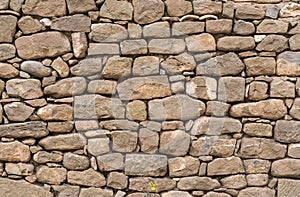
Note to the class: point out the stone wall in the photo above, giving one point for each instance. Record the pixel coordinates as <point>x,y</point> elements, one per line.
<point>139,98</point>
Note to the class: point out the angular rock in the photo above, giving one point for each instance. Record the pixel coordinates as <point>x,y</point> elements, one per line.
<point>88,192</point>
<point>294,42</point>
<point>225,166</point>
<point>160,184</point>
<point>41,45</point>
<point>79,6</point>
<point>276,43</point>
<point>111,162</point>
<point>269,26</point>
<point>43,8</point>
<point>88,177</point>
<point>202,87</point>
<point>145,65</point>
<point>60,127</point>
<point>7,51</point>
<point>66,87</point>
<point>257,191</point>
<point>148,140</point>
<point>234,181</point>
<point>257,166</point>
<point>4,4</point>
<point>178,64</point>
<point>18,111</point>
<point>207,7</point>
<point>223,26</point>
<point>262,109</point>
<point>117,180</point>
<point>54,176</point>
<point>175,143</point>
<point>116,10</point>
<point>281,88</point>
<point>35,129</point>
<point>178,107</point>
<point>235,43</point>
<point>61,67</point>
<point>216,194</point>
<point>288,187</point>
<point>88,66</point>
<point>14,152</point>
<point>98,146</point>
<point>45,157</point>
<point>248,11</point>
<point>243,28</point>
<point>7,71</point>
<point>178,7</point>
<point>231,89</point>
<point>262,148</point>
<point>293,151</point>
<point>103,49</point>
<point>157,30</point>
<point>287,131</point>
<point>183,166</point>
<point>105,32</point>
<point>198,183</point>
<point>136,110</point>
<point>176,194</point>
<point>124,141</point>
<point>148,11</point>
<point>256,66</point>
<point>146,165</point>
<point>21,169</point>
<point>75,162</point>
<point>166,46</point>
<point>223,148</point>
<point>74,23</point>
<point>294,112</point>
<point>257,179</point>
<point>258,129</point>
<point>29,25</point>
<point>290,10</point>
<point>187,27</point>
<point>63,142</point>
<point>24,88</point>
<point>133,47</point>
<point>61,112</point>
<point>36,69</point>
<point>8,26</point>
<point>106,87</point>
<point>216,108</point>
<point>79,44</point>
<point>286,168</point>
<point>117,67</point>
<point>201,42</point>
<point>119,125</point>
<point>288,64</point>
<point>66,190</point>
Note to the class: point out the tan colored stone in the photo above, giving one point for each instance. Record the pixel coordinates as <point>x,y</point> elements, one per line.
<point>35,129</point>
<point>35,68</point>
<point>216,108</point>
<point>290,10</point>
<point>145,65</point>
<point>148,11</point>
<point>21,169</point>
<point>225,166</point>
<point>8,26</point>
<point>201,42</point>
<point>207,7</point>
<point>178,64</point>
<point>78,6</point>
<point>294,42</point>
<point>235,43</point>
<point>223,148</point>
<point>272,26</point>
<point>24,88</point>
<point>276,43</point>
<point>187,27</point>
<point>258,129</point>
<point>117,180</point>
<point>281,88</point>
<point>257,166</point>
<point>288,187</point>
<point>98,146</point>
<point>45,157</point>
<point>286,168</point>
<point>136,110</point>
<point>63,142</point>
<point>14,152</point>
<point>258,90</point>
<point>288,64</point>
<point>116,10</point>
<point>74,23</point>
<point>105,32</point>
<point>234,181</point>
<point>174,143</point>
<point>124,141</point>
<point>60,127</point>
<point>110,162</point>
<point>79,44</point>
<point>103,49</point>
<point>248,11</point>
<point>54,176</point>
<point>88,66</point>
<point>166,46</point>
<point>29,25</point>
<point>8,71</point>
<point>144,184</point>
<point>106,87</point>
<point>66,190</point>
<point>119,125</point>
<point>178,7</point>
<point>42,8</point>
<point>257,180</point>
<point>157,30</point>
<point>117,67</point>
<point>61,67</point>
<point>183,166</point>
<point>88,192</point>
<point>231,89</point>
<point>221,26</point>
<point>257,191</point>
<point>7,51</point>
<point>88,177</point>
<point>75,162</point>
<point>216,194</point>
<point>176,194</point>
<point>198,183</point>
<point>256,66</point>
<point>18,111</point>
<point>287,131</point>
<point>148,140</point>
<point>243,28</point>
<point>56,112</point>
<point>294,150</point>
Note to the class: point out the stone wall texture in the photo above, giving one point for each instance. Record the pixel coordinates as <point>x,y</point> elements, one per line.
<point>149,98</point>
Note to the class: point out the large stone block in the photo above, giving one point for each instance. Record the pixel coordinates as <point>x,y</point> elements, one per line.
<point>287,131</point>
<point>35,129</point>
<point>49,8</point>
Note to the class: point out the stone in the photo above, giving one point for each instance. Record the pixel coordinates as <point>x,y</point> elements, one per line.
<point>24,88</point>
<point>157,30</point>
<point>202,87</point>
<point>35,68</point>
<point>262,148</point>
<point>166,46</point>
<point>136,110</point>
<point>35,129</point>
<point>257,191</point>
<point>97,107</point>
<point>171,125</point>
<point>178,8</point>
<point>207,7</point>
<point>187,27</point>
<point>87,192</point>
<point>272,11</point>
<point>61,67</point>
<point>293,150</point>
<point>200,43</point>
<point>257,179</point>
<point>33,46</point>
<point>54,176</point>
<point>216,194</point>
<point>258,129</point>
<point>228,64</point>
<point>287,131</point>
<point>103,49</point>
<point>290,10</point>
<point>7,51</point>
<point>13,188</point>
<point>288,64</point>
<point>294,42</point>
<point>198,183</point>
<point>235,43</point>
<point>216,108</point>
<point>183,166</point>
<point>14,152</point>
<point>175,143</point>
<point>116,10</point>
<point>146,165</point>
<point>106,87</point>
<point>177,107</point>
<point>248,11</point>
<point>66,87</point>
<point>7,71</point>
<point>75,162</point>
<point>88,177</point>
<point>225,166</point>
<point>178,64</point>
<point>282,89</point>
<point>231,89</point>
<point>60,127</point>
<point>144,88</point>
<point>4,4</point>
<point>257,166</point>
<point>105,32</point>
<point>287,168</point>
<point>21,169</point>
<point>63,142</point>
<point>8,26</point>
<point>176,194</point>
<point>156,184</point>
<point>56,112</point>
<point>256,66</point>
<point>234,181</point>
<point>145,65</point>
<point>66,190</point>
<point>134,30</point>
<point>276,43</point>
<point>117,180</point>
<point>74,23</point>
<point>110,162</point>
<point>42,8</point>
<point>148,11</point>
<point>119,125</point>
<point>18,111</point>
<point>221,26</point>
<point>78,6</point>
<point>29,25</point>
<point>117,67</point>
<point>133,47</point>
<point>262,109</point>
<point>79,44</point>
<point>243,28</point>
<point>269,26</point>
<point>45,157</point>
<point>124,141</point>
<point>223,148</point>
<point>288,187</point>
<point>148,140</point>
<point>88,66</point>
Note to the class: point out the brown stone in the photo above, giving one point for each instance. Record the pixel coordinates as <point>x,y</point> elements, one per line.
<point>286,168</point>
<point>66,190</point>
<point>256,66</point>
<point>78,6</point>
<point>29,25</point>
<point>103,49</point>
<point>75,162</point>
<point>111,162</point>
<point>216,108</point>
<point>258,129</point>
<point>235,43</point>
<point>187,27</point>
<point>290,10</point>
<point>7,51</point>
<point>24,88</point>
<point>98,146</point>
<point>148,11</point>
<point>258,91</point>
<point>157,30</point>
<point>106,87</point>
<point>63,142</point>
<point>148,140</point>
<point>198,183</point>
<point>136,110</point>
<point>145,65</point>
<point>183,166</point>
<point>294,112</point>
<point>207,7</point>
<point>288,187</point>
<point>225,166</point>
<point>56,112</point>
<point>201,42</point>
<point>281,88</point>
<point>45,157</point>
<point>147,184</point>
<point>178,8</point>
<point>257,166</point>
<point>221,26</point>
<point>74,23</point>
<point>42,8</point>
<point>134,47</point>
<point>276,43</point>
<point>88,66</point>
<point>248,11</point>
<point>117,67</point>
<point>294,150</point>
<point>116,10</point>
<point>175,143</point>
<point>61,67</point>
<point>119,125</point>
<point>79,44</point>
<point>287,131</point>
<point>272,26</point>
<point>117,180</point>
<point>18,111</point>
<point>124,141</point>
<point>234,181</point>
<point>166,46</point>
<point>257,191</point>
<point>176,194</point>
<point>21,169</point>
<point>105,32</point>
<point>14,152</point>
<point>178,64</point>
<point>223,148</point>
<point>88,177</point>
<point>294,42</point>
<point>257,179</point>
<point>88,192</point>
<point>60,127</point>
<point>288,64</point>
<point>54,176</point>
<point>8,71</point>
<point>8,25</point>
<point>35,129</point>
<point>243,28</point>
<point>231,89</point>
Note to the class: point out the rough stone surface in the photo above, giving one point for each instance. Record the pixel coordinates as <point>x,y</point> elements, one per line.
<point>203,42</point>
<point>56,112</point>
<point>24,88</point>
<point>174,143</point>
<point>29,25</point>
<point>14,152</point>
<point>231,89</point>
<point>18,111</point>
<point>116,10</point>
<point>7,51</point>
<point>287,131</point>
<point>36,69</point>
<point>8,25</point>
<point>235,43</point>
<point>142,184</point>
<point>49,175</point>
<point>257,191</point>
<point>260,66</point>
<point>202,88</point>
<point>7,71</point>
<point>288,64</point>
<point>226,166</point>
<point>197,183</point>
<point>148,11</point>
<point>42,8</point>
<point>78,6</point>
<point>35,129</point>
<point>183,166</point>
<point>86,178</point>
<point>288,187</point>
<point>76,23</point>
<point>166,46</point>
<point>276,43</point>
<point>63,142</point>
<point>108,33</point>
<point>75,162</point>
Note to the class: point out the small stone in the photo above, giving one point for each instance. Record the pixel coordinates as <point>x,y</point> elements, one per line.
<point>207,7</point>
<point>4,4</point>
<point>183,166</point>
<point>231,89</point>
<point>75,162</point>
<point>223,148</point>
<point>272,26</point>
<point>257,166</point>
<point>256,66</point>
<point>235,43</point>
<point>61,67</point>
<point>276,43</point>
<point>21,169</point>
<point>117,180</point>
<point>7,51</point>
<point>257,179</point>
<point>178,64</point>
<point>282,89</point>
<point>36,69</point>
<point>105,32</point>
<point>258,129</point>
<point>216,194</point>
<point>86,125</point>
<point>60,127</point>
<point>8,26</point>
<point>14,152</point>
<point>294,42</point>
<point>56,112</point>
<point>202,87</point>
<point>144,184</point>
<point>287,131</point>
<point>257,191</point>
<point>172,125</point>
<point>78,6</point>
<point>66,190</point>
<point>45,157</point>
<point>198,183</point>
<point>243,28</point>
<point>187,27</point>
<point>74,23</point>
<point>54,176</point>
<point>98,146</point>
<point>293,150</point>
<point>24,88</point>
<point>106,87</point>
<point>175,143</point>
<point>136,110</point>
<point>286,168</point>
<point>88,66</point>
<point>103,49</point>
<point>7,71</point>
<point>166,46</point>
<point>133,47</point>
<point>290,10</point>
<point>247,11</point>
<point>288,187</point>
<point>234,181</point>
<point>33,129</point>
<point>157,30</point>
<point>148,140</point>
<point>88,192</point>
<point>134,30</point>
<point>228,9</point>
<point>178,8</point>
<point>63,142</point>
<point>88,177</point>
<point>119,125</point>
<point>148,11</point>
<point>124,141</point>
<point>117,67</point>
<point>18,111</point>
<point>116,10</point>
<point>217,108</point>
<point>145,65</point>
<point>45,8</point>
<point>219,26</point>
<point>176,193</point>
<point>79,44</point>
<point>201,42</point>
<point>110,162</point>
<point>288,64</point>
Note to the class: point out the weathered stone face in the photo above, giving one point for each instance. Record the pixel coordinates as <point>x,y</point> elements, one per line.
<point>203,88</point>
<point>148,11</point>
<point>45,8</point>
<point>183,166</point>
<point>198,183</point>
<point>75,23</point>
<point>116,10</point>
<point>260,66</point>
<point>7,51</point>
<point>288,187</point>
<point>111,162</point>
<point>275,43</point>
<point>63,142</point>
<point>24,88</point>
<point>201,43</point>
<point>86,178</point>
<point>174,143</point>
<point>53,176</point>
<point>286,168</point>
<point>108,33</point>
<point>8,71</point>
<point>18,111</point>
<point>287,131</point>
<point>231,89</point>
<point>235,43</point>
<point>14,152</point>
<point>288,64</point>
<point>142,184</point>
<point>257,191</point>
<point>56,112</point>
<point>7,33</point>
<point>229,165</point>
<point>78,6</point>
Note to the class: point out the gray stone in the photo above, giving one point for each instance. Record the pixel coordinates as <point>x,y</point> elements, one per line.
<point>201,43</point>
<point>257,179</point>
<point>256,66</point>
<point>234,181</point>
<point>281,88</point>
<point>157,30</point>
<point>7,51</point>
<point>45,157</point>
<point>148,11</point>
<point>288,168</point>
<point>66,190</point>
<point>178,64</point>
<point>187,27</point>
<point>42,8</point>
<point>18,111</point>
<point>258,129</point>
<point>54,176</point>
<point>288,64</point>
<point>35,129</point>
<point>75,162</point>
<point>36,69</point>
<point>176,194</point>
<point>134,47</point>
<point>183,166</point>
<point>74,23</point>
<point>202,87</point>
<point>88,192</point>
<point>216,108</point>
<point>29,25</point>
<point>231,89</point>
<point>87,67</point>
<point>247,11</point>
<point>8,26</point>
<point>116,10</point>
<point>24,88</point>
<point>88,177</point>
<point>124,141</point>
<point>288,187</point>
<point>287,131</point>
<point>103,49</point>
<point>175,143</point>
<point>257,166</point>
<point>105,32</point>
<point>79,6</point>
<point>243,28</point>
<point>225,166</point>
<point>156,184</point>
<point>21,169</point>
<point>110,162</point>
<point>207,7</point>
<point>119,125</point>
<point>257,191</point>
<point>106,87</point>
<point>145,65</point>
<point>166,46</point>
<point>235,43</point>
<point>268,26</point>
<point>117,180</point>
<point>294,150</point>
<point>198,183</point>
<point>63,142</point>
<point>276,43</point>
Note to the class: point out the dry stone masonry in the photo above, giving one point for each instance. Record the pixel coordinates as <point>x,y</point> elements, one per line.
<point>149,98</point>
